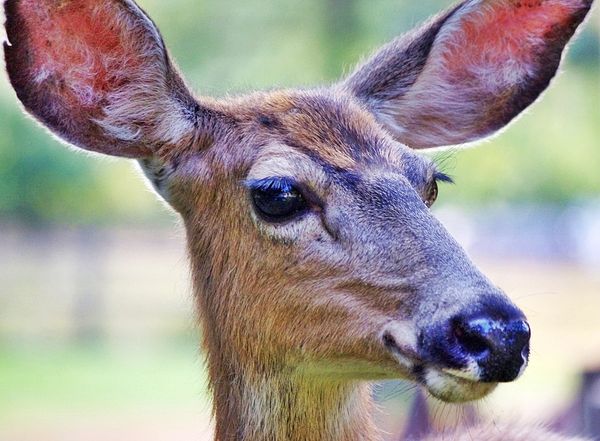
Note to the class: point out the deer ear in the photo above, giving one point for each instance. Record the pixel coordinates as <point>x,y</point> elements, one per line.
<point>98,75</point>
<point>468,72</point>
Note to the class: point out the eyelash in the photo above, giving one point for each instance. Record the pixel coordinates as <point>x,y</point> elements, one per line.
<point>442,177</point>
<point>271,184</point>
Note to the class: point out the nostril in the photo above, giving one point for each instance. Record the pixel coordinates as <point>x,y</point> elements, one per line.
<point>470,339</point>
<point>388,340</point>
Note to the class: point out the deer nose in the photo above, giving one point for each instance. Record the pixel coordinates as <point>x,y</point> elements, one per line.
<point>499,346</point>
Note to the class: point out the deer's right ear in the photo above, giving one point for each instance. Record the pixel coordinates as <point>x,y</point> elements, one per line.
<point>98,75</point>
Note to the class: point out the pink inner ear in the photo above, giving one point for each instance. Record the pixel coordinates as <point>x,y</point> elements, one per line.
<point>506,31</point>
<point>81,43</point>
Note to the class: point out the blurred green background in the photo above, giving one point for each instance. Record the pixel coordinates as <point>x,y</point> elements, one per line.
<point>97,334</point>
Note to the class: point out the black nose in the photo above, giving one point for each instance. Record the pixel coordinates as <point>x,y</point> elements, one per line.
<point>499,345</point>
<point>490,341</point>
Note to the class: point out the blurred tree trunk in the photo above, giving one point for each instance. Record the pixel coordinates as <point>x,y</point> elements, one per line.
<point>591,403</point>
<point>341,26</point>
<point>89,307</point>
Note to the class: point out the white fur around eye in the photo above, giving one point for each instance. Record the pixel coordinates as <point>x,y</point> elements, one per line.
<point>304,227</point>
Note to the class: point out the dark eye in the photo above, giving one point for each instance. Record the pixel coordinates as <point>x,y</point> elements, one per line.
<point>432,190</point>
<point>432,194</point>
<point>277,199</point>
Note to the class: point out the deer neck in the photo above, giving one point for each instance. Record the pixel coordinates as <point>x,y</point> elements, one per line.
<point>258,400</point>
<point>290,407</point>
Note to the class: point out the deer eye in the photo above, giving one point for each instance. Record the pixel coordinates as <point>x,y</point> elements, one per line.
<point>277,200</point>
<point>432,194</point>
<point>432,189</point>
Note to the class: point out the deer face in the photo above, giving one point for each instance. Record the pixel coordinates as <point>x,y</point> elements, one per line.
<point>313,248</point>
<point>333,263</point>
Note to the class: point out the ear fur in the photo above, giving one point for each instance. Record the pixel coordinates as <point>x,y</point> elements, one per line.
<point>97,74</point>
<point>469,71</point>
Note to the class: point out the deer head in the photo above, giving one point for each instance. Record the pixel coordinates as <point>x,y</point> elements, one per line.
<point>313,249</point>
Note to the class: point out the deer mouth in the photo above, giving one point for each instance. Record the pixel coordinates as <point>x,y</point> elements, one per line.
<point>450,385</point>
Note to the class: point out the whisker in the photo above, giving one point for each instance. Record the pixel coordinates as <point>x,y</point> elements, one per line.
<point>536,294</point>
<point>398,389</point>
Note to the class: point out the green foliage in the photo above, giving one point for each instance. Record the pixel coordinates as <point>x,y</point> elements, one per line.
<point>233,46</point>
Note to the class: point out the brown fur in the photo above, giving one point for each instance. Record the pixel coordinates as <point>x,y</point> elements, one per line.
<point>295,316</point>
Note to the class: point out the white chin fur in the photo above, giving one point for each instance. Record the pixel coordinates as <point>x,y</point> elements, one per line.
<point>453,389</point>
<point>472,372</point>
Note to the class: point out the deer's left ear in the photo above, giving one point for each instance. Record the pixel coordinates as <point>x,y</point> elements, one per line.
<point>468,72</point>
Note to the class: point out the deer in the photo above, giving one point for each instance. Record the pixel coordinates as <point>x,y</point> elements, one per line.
<point>316,263</point>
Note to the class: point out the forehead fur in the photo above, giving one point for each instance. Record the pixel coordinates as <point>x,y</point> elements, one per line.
<point>330,128</point>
